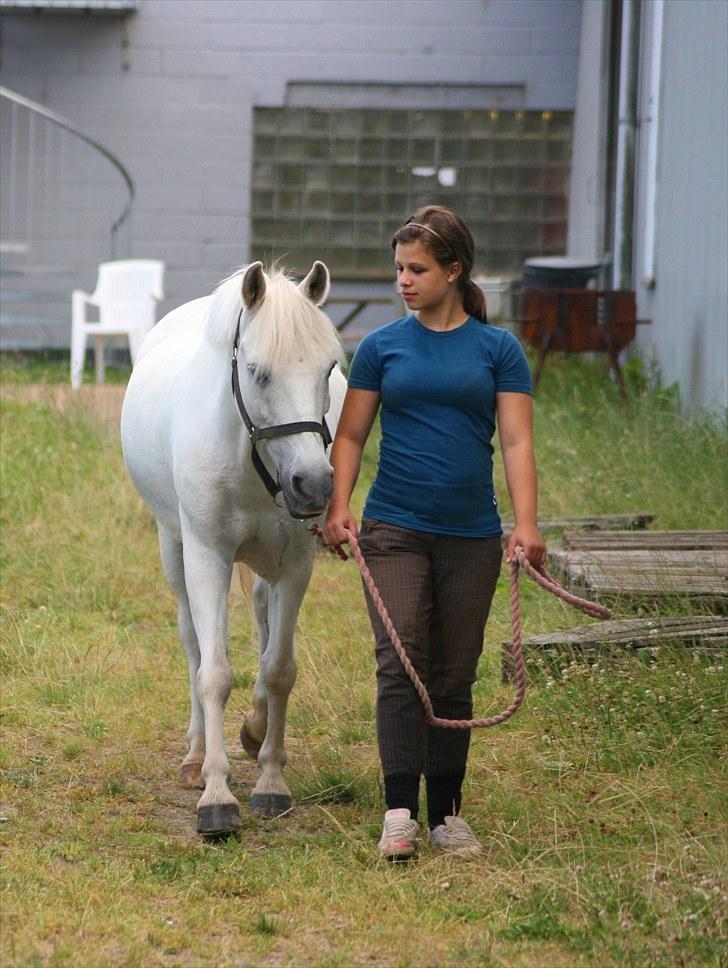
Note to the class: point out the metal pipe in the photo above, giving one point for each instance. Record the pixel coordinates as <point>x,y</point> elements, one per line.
<point>652,121</point>
<point>626,138</point>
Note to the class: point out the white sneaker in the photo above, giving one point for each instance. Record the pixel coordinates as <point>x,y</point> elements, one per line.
<point>456,837</point>
<point>400,835</point>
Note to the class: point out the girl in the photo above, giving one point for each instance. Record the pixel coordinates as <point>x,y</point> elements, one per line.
<point>431,533</point>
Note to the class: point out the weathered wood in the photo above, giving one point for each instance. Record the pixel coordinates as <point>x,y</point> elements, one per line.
<point>705,633</point>
<point>607,522</point>
<point>630,540</point>
<point>644,573</point>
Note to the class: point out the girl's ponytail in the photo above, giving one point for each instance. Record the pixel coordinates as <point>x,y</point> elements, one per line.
<point>474,300</point>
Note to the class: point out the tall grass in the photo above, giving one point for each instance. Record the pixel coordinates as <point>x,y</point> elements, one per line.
<point>601,805</point>
<point>599,454</point>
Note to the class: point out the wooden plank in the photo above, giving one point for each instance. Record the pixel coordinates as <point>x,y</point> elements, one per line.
<point>644,572</point>
<point>641,632</point>
<point>708,561</point>
<point>642,560</point>
<point>704,633</point>
<point>629,540</point>
<point>607,522</point>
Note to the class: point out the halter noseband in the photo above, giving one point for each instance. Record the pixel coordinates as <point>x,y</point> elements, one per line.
<point>266,433</point>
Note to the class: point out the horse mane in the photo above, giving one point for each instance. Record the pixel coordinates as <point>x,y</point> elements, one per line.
<point>284,327</point>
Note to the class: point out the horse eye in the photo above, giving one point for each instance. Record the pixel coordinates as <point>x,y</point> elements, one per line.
<point>261,377</point>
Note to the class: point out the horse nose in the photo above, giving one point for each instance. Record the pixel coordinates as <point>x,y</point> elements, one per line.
<point>313,489</point>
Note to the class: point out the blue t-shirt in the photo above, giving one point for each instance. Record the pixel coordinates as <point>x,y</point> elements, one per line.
<point>438,395</point>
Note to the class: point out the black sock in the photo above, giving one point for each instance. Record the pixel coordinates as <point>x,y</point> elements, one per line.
<point>402,790</point>
<point>444,797</point>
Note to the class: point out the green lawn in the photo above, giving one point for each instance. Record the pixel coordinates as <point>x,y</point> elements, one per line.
<point>601,804</point>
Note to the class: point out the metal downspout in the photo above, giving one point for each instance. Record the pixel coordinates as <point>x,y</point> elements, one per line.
<point>626,139</point>
<point>652,123</point>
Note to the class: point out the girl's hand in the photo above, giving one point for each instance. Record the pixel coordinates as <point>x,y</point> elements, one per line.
<point>529,538</point>
<point>337,523</point>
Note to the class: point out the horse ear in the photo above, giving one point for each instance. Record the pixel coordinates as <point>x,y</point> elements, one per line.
<point>253,285</point>
<point>316,284</point>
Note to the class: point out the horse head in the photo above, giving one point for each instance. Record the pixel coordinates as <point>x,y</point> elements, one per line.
<point>285,352</point>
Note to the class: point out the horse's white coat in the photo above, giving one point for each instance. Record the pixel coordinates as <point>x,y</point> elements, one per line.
<point>188,454</point>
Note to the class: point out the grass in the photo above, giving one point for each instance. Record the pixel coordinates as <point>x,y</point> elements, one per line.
<point>601,804</point>
<point>51,367</point>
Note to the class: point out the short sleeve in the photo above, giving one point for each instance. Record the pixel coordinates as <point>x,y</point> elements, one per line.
<point>512,373</point>
<point>365,372</point>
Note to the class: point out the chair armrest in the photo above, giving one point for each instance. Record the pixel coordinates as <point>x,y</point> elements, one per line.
<point>79,301</point>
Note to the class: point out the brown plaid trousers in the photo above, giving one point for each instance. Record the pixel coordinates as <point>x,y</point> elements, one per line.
<point>437,590</point>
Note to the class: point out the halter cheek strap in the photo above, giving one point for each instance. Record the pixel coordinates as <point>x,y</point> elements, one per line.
<point>277,430</point>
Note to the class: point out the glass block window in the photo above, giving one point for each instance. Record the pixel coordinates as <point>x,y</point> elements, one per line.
<point>334,184</point>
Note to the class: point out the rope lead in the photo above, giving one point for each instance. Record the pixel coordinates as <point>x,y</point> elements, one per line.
<point>518,562</point>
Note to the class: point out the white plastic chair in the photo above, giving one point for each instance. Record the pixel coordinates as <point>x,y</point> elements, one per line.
<point>126,295</point>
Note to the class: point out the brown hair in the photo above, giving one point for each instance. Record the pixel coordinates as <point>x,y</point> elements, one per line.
<point>448,239</point>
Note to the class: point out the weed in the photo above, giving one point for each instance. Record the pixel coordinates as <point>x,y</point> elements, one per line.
<point>95,728</point>
<point>243,680</point>
<point>265,925</point>
<point>335,786</point>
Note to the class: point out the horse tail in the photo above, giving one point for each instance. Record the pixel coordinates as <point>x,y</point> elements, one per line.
<point>246,577</point>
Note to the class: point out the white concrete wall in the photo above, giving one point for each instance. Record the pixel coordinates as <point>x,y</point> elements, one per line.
<point>171,90</point>
<point>688,306</point>
<point>688,301</point>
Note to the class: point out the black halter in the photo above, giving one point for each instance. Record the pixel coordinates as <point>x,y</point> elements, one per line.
<point>266,433</point>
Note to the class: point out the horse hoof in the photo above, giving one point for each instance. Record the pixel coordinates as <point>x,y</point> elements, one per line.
<point>218,819</point>
<point>190,775</point>
<point>270,804</point>
<point>250,744</point>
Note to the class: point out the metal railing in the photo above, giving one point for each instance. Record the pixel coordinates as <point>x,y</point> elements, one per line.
<point>65,205</point>
<point>17,101</point>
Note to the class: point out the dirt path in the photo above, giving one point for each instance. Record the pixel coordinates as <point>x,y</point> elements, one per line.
<point>100,404</point>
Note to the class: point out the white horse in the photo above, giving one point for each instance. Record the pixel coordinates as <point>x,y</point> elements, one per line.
<point>191,448</point>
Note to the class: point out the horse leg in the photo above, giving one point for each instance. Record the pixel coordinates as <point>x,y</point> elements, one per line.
<point>252,732</point>
<point>190,772</point>
<point>207,575</point>
<point>271,795</point>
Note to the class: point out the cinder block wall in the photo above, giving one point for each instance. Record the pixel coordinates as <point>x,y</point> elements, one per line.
<point>171,90</point>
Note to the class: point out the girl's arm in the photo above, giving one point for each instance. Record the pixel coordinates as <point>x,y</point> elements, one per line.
<point>515,429</point>
<point>357,416</point>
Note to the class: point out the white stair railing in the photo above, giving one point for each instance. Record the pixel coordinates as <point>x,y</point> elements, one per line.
<point>65,206</point>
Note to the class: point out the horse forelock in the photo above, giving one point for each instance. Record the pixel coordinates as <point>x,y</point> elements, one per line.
<point>285,327</point>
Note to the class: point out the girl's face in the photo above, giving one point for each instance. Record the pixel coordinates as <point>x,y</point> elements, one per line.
<point>421,280</point>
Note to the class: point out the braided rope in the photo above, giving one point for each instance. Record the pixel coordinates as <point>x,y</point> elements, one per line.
<point>539,575</point>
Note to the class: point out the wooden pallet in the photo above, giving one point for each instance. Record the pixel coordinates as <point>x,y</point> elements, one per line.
<point>624,522</point>
<point>644,573</point>
<point>635,540</point>
<point>706,634</point>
